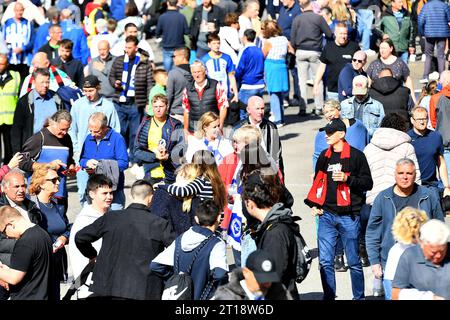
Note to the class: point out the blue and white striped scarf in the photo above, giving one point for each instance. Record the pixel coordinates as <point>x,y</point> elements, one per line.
<point>128,91</point>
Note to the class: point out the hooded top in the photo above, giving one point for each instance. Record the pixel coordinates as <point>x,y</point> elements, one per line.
<point>275,234</point>
<point>384,150</point>
<point>392,94</point>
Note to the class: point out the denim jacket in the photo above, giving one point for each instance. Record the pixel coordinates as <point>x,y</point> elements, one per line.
<point>373,112</point>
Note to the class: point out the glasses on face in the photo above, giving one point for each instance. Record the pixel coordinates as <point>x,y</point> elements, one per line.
<point>357,60</point>
<point>420,119</point>
<point>53,180</point>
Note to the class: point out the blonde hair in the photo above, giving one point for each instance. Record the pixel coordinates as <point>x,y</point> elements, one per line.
<point>340,11</point>
<point>248,134</point>
<point>407,223</point>
<point>189,173</point>
<point>38,178</point>
<point>334,104</point>
<point>205,120</point>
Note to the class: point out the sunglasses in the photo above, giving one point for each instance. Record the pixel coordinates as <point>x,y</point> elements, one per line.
<point>357,60</point>
<point>53,180</point>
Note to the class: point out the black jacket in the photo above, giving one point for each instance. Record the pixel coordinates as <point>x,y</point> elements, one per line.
<point>170,208</point>
<point>359,181</point>
<point>234,291</point>
<point>215,15</point>
<point>392,94</point>
<point>73,68</point>
<point>52,53</point>
<point>23,124</point>
<point>276,235</point>
<point>7,245</point>
<point>131,239</point>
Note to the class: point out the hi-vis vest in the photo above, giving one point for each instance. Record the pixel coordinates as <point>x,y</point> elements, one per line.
<point>9,95</point>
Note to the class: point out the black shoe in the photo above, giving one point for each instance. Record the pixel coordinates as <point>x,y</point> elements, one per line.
<point>302,113</point>
<point>363,256</point>
<point>339,265</point>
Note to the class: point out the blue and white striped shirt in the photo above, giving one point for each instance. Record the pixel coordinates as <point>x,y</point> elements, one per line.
<point>18,35</point>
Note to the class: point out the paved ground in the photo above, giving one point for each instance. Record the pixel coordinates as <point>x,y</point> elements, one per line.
<point>298,139</point>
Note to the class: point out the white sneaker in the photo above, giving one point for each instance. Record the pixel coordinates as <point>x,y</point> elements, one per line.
<point>423,81</point>
<point>272,118</point>
<point>139,172</point>
<point>280,125</point>
<point>133,169</point>
<point>310,82</point>
<point>424,57</point>
<point>370,52</point>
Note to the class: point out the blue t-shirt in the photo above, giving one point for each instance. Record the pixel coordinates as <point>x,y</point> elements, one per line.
<point>43,108</point>
<point>53,221</point>
<point>219,68</point>
<point>428,149</point>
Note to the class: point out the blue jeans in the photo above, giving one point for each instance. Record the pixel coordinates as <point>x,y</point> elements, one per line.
<point>245,94</point>
<point>364,20</point>
<point>276,106</point>
<point>118,202</point>
<point>387,285</point>
<point>167,59</point>
<point>332,95</point>
<point>82,179</point>
<point>130,118</point>
<point>348,227</point>
<point>447,160</point>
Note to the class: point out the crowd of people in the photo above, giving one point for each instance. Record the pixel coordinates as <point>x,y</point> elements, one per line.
<point>82,98</point>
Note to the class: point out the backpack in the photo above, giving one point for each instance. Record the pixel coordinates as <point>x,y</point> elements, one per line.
<point>180,285</point>
<point>304,258</point>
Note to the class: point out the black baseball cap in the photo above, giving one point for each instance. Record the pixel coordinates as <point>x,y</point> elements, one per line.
<point>91,81</point>
<point>263,267</point>
<point>334,125</point>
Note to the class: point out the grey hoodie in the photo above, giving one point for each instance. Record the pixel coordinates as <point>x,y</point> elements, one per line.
<point>178,79</point>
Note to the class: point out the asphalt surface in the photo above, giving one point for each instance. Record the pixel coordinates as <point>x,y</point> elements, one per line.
<point>298,144</point>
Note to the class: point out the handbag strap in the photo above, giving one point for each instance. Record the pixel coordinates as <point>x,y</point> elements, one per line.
<point>176,264</point>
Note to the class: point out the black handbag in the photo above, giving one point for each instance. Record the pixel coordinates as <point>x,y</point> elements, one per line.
<point>290,60</point>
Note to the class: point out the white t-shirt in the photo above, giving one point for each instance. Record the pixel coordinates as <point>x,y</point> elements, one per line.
<point>393,257</point>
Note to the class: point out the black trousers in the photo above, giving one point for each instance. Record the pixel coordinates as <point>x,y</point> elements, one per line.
<point>5,133</point>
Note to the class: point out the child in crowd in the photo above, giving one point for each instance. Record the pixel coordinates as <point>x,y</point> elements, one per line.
<point>160,76</point>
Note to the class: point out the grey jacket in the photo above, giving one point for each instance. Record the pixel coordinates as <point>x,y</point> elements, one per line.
<point>178,79</point>
<point>106,89</point>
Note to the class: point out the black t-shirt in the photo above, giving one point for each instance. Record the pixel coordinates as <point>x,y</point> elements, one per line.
<point>32,254</point>
<point>336,57</point>
<point>335,164</point>
<point>411,201</point>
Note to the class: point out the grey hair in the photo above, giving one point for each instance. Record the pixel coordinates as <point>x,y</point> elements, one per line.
<point>99,117</point>
<point>141,189</point>
<point>248,3</point>
<point>5,181</point>
<point>403,161</point>
<point>434,232</point>
<point>61,115</point>
<point>198,62</point>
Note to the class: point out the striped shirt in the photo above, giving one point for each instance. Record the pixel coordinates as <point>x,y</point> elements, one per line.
<point>201,186</point>
<point>279,48</point>
<point>18,35</point>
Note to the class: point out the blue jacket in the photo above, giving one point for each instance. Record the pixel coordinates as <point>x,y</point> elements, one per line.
<point>117,8</point>
<point>41,37</point>
<point>73,32</point>
<point>345,81</point>
<point>379,238</point>
<point>286,18</point>
<point>373,112</point>
<point>111,147</point>
<point>250,69</point>
<point>433,19</point>
<point>172,26</point>
<point>357,136</point>
<point>172,133</point>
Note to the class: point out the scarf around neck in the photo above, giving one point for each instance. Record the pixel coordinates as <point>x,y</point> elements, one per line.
<point>128,91</point>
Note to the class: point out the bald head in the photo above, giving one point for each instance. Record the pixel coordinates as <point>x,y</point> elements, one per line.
<point>18,10</point>
<point>386,72</point>
<point>40,60</point>
<point>255,109</point>
<point>359,60</point>
<point>103,49</point>
<point>444,79</point>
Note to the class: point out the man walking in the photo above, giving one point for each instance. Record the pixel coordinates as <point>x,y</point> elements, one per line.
<point>172,27</point>
<point>127,251</point>
<point>131,77</point>
<point>338,192</point>
<point>101,68</point>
